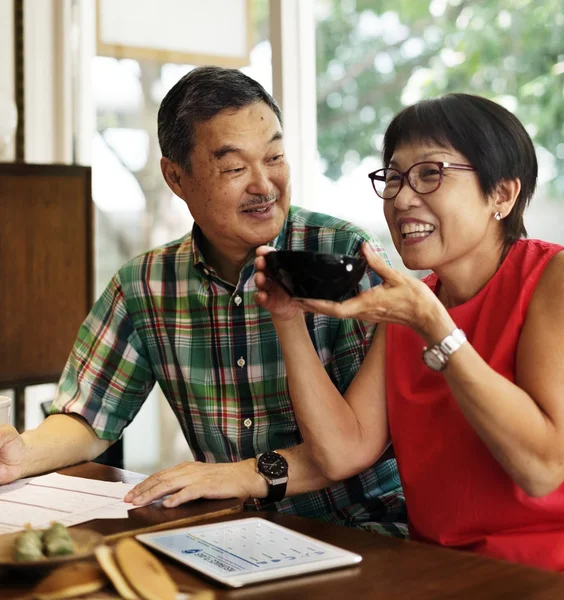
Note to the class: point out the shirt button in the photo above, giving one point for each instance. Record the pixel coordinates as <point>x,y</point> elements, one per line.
<point>206,272</point>
<point>238,300</point>
<point>247,423</point>
<point>241,362</point>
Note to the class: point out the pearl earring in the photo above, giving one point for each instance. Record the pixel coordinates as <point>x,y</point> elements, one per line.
<point>498,216</point>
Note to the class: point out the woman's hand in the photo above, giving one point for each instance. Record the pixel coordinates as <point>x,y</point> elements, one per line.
<point>399,299</point>
<point>270,295</point>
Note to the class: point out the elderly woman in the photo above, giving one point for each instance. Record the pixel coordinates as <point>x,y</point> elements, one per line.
<point>465,376</point>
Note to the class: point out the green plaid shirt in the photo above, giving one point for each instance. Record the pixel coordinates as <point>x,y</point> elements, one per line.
<point>167,318</point>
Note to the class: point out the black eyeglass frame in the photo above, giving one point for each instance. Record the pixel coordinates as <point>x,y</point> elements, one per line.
<point>405,176</point>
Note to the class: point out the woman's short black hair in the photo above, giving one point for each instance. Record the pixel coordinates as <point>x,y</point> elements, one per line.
<point>492,139</point>
<point>198,97</point>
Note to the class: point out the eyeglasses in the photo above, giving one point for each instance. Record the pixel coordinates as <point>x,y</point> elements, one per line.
<point>423,178</point>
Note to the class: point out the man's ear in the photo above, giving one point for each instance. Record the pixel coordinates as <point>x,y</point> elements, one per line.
<point>172,174</point>
<point>506,195</point>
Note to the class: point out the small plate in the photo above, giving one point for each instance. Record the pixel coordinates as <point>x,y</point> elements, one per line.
<point>85,541</point>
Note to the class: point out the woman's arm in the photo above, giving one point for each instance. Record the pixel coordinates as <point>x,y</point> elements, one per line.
<point>522,424</point>
<point>344,437</point>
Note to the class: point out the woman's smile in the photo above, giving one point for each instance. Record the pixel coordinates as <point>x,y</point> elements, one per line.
<point>414,231</point>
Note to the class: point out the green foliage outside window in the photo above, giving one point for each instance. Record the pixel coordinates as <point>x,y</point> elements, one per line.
<point>374,57</point>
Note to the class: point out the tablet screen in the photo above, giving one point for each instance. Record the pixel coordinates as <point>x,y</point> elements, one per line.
<point>247,551</point>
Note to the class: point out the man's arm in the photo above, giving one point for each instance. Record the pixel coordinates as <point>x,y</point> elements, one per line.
<point>59,441</point>
<point>108,374</point>
<point>105,381</point>
<point>192,480</point>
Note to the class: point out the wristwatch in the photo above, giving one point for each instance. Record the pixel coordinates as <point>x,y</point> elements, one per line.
<point>274,468</point>
<point>437,357</point>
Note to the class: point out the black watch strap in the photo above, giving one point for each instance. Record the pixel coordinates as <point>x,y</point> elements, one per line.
<point>276,491</point>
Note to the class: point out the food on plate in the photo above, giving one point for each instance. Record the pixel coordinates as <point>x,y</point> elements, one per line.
<point>37,544</point>
<point>57,541</point>
<point>28,546</point>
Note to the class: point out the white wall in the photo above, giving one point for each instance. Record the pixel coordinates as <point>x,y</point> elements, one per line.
<point>40,137</point>
<point>292,37</point>
<point>48,81</point>
<point>7,61</point>
<point>7,47</point>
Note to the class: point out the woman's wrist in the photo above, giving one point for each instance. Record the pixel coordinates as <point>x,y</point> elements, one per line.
<point>436,324</point>
<point>292,333</point>
<point>288,323</point>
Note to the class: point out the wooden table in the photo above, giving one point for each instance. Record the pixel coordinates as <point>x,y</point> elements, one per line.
<point>391,569</point>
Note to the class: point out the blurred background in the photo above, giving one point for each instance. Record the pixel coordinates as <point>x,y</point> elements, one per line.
<point>372,58</point>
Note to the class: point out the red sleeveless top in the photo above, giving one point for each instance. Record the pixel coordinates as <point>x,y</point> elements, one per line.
<point>457,494</point>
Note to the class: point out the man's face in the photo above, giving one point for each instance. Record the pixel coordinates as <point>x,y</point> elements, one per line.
<point>238,190</point>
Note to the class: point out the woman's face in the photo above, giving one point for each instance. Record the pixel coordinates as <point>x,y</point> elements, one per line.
<point>452,224</point>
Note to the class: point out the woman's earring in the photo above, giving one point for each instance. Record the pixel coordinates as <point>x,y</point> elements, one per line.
<point>498,216</point>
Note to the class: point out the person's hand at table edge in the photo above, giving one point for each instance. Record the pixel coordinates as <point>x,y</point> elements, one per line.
<point>12,454</point>
<point>193,480</point>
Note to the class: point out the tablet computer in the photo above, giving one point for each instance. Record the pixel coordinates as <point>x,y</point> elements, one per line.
<point>245,551</point>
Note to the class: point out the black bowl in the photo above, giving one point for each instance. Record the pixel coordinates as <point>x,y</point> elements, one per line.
<point>305,274</point>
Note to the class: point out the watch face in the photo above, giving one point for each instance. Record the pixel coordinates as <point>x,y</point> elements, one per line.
<point>434,359</point>
<point>273,464</point>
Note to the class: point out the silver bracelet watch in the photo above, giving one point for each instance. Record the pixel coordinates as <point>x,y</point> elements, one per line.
<point>437,357</point>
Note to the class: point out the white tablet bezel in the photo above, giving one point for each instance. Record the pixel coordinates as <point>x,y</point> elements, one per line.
<point>345,558</point>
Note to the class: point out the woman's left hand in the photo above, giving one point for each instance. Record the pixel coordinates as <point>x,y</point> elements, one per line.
<point>399,299</point>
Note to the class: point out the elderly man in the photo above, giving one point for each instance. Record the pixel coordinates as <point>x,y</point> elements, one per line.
<point>183,316</point>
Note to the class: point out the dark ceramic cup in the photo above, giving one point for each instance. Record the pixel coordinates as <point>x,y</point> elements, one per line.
<point>305,274</point>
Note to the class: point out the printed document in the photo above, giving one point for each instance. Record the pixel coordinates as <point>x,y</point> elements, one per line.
<point>54,497</point>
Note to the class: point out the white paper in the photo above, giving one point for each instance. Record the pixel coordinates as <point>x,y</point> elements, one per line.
<point>65,501</point>
<point>8,528</point>
<point>110,489</point>
<point>54,497</point>
<point>107,512</point>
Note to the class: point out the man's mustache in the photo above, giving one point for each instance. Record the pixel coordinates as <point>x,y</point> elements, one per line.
<point>257,200</point>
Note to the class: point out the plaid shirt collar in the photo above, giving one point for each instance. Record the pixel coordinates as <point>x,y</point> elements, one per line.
<point>202,265</point>
<point>198,256</point>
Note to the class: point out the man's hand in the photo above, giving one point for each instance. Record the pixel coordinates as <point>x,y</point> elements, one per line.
<point>12,454</point>
<point>192,480</point>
